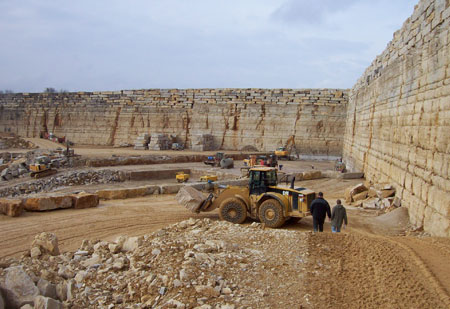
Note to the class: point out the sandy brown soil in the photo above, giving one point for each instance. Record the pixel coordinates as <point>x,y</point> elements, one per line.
<point>367,266</point>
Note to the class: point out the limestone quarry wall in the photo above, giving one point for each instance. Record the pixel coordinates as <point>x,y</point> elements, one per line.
<point>398,118</point>
<point>265,118</point>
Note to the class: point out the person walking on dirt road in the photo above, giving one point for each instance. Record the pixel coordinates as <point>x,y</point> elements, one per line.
<point>338,216</point>
<point>319,210</point>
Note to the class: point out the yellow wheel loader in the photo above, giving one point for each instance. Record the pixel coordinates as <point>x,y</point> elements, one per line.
<point>263,199</point>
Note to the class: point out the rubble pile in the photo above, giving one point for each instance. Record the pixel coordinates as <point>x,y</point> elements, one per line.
<point>378,196</point>
<point>13,170</point>
<point>191,264</point>
<point>17,165</point>
<point>72,178</point>
<point>15,142</point>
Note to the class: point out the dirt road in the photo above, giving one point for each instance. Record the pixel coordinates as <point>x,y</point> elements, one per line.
<point>368,265</point>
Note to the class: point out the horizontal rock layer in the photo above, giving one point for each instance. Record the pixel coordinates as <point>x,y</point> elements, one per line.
<point>398,119</point>
<point>264,118</point>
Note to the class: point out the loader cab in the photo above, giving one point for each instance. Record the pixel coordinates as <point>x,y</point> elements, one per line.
<point>261,179</point>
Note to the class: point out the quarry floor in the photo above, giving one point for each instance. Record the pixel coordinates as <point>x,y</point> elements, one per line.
<point>373,263</point>
<point>370,264</point>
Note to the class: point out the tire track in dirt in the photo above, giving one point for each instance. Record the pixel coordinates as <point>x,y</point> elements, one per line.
<point>432,263</point>
<point>357,270</point>
<point>431,260</point>
<point>132,217</point>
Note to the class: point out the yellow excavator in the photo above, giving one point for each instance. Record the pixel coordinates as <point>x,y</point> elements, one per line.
<point>263,199</point>
<point>42,167</point>
<point>282,153</point>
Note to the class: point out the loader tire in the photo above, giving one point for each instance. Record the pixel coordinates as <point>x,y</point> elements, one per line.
<point>271,213</point>
<point>233,210</point>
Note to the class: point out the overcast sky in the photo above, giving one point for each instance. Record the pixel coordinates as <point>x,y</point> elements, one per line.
<point>112,45</point>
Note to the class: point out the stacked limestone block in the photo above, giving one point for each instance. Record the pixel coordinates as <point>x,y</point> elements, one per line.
<point>141,142</point>
<point>398,119</point>
<point>160,142</point>
<point>202,142</point>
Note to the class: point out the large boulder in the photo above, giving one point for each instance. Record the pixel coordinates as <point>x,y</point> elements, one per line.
<point>385,193</point>
<point>46,243</point>
<point>352,191</point>
<point>42,302</point>
<point>11,207</point>
<point>359,196</point>
<point>190,198</point>
<point>42,203</point>
<point>46,288</point>
<point>19,288</point>
<point>84,200</point>
<point>130,243</point>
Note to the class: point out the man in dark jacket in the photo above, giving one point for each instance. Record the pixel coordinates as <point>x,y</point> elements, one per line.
<point>319,210</point>
<point>338,216</point>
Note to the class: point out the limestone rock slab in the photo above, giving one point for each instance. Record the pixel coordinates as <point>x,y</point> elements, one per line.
<point>84,200</point>
<point>190,198</point>
<point>44,203</point>
<point>11,207</point>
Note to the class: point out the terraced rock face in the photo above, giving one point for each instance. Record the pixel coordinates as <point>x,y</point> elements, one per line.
<point>313,119</point>
<point>398,118</point>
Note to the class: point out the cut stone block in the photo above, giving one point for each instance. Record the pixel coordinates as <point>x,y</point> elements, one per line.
<point>352,175</point>
<point>48,202</point>
<point>350,192</point>
<point>360,196</point>
<point>114,194</point>
<point>386,193</point>
<point>190,198</point>
<point>309,175</point>
<point>11,207</point>
<point>84,200</point>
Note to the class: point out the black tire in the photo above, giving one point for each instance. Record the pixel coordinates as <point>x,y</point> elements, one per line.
<point>271,213</point>
<point>233,210</point>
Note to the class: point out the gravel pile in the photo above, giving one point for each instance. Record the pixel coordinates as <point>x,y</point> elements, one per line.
<point>15,142</point>
<point>73,178</point>
<point>192,264</point>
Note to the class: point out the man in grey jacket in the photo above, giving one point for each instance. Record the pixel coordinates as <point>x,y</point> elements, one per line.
<point>338,216</point>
